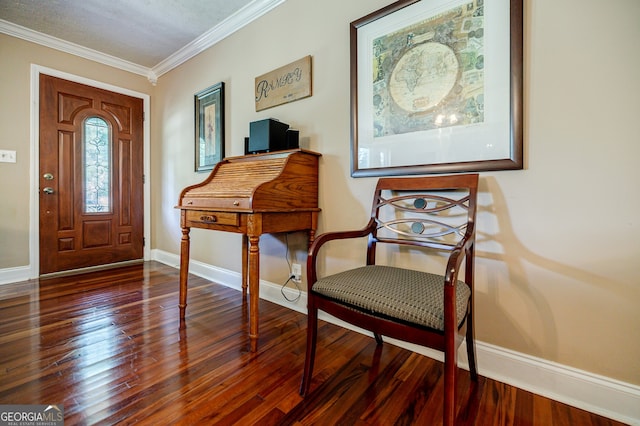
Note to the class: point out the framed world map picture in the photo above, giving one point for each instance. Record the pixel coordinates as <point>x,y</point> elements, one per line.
<point>436,87</point>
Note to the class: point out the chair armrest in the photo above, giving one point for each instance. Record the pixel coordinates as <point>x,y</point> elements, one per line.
<point>321,239</point>
<point>458,254</point>
<point>463,250</point>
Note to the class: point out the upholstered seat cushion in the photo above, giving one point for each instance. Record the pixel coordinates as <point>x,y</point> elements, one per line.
<point>411,296</point>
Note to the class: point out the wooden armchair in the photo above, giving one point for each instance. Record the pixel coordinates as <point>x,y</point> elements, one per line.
<point>435,214</point>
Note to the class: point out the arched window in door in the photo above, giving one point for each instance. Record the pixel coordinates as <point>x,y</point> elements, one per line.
<point>97,165</point>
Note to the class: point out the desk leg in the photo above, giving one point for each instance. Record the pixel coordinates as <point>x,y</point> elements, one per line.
<point>245,260</point>
<point>314,226</point>
<point>254,290</point>
<point>184,271</point>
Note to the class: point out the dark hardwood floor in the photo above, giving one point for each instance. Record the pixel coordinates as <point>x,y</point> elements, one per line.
<point>109,347</point>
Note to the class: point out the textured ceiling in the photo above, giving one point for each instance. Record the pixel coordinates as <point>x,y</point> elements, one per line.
<point>143,32</point>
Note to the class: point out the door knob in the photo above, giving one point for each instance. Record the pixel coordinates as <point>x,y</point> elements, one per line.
<point>48,190</point>
<point>47,176</point>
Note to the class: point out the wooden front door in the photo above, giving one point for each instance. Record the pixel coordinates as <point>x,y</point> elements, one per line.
<point>91,176</point>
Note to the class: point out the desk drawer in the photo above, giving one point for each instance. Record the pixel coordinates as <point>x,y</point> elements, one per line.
<point>212,218</point>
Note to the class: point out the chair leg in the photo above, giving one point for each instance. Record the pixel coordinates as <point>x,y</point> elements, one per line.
<point>450,367</point>
<point>450,375</point>
<point>471,349</point>
<point>312,334</point>
<point>378,338</point>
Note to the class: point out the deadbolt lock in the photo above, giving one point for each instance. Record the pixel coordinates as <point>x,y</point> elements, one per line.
<point>47,176</point>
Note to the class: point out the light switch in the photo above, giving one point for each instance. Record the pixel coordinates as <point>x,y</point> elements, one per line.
<point>7,156</point>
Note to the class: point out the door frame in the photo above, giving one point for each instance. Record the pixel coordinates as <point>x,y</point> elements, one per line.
<point>34,163</point>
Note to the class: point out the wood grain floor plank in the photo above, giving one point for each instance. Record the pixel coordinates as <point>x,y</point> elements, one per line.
<point>111,348</point>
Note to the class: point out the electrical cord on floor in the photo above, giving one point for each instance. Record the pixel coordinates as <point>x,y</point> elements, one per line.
<point>291,277</point>
<point>286,255</point>
<point>295,299</point>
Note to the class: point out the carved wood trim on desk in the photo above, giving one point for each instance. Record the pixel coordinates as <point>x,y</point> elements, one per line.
<point>251,195</point>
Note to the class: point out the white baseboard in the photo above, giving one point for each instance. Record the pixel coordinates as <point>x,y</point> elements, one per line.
<point>14,275</point>
<point>597,394</point>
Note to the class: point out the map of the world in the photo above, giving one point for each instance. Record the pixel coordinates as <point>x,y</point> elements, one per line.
<point>430,75</point>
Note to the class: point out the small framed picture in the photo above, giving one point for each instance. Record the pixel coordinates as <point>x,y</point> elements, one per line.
<point>209,133</point>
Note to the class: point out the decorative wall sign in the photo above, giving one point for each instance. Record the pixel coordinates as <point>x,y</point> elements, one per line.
<point>436,87</point>
<point>209,127</point>
<point>286,84</point>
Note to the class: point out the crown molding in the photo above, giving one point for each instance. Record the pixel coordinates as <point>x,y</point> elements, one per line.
<point>241,18</point>
<point>233,23</point>
<point>71,48</point>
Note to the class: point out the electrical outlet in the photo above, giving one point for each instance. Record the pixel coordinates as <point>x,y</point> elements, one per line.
<point>296,271</point>
<point>7,156</point>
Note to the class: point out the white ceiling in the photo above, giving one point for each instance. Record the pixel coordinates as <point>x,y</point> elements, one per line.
<point>144,36</point>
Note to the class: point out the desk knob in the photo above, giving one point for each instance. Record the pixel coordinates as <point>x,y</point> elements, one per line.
<point>208,219</point>
<point>236,203</point>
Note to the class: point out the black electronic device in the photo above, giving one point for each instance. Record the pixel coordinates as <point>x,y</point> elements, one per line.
<point>266,136</point>
<point>293,139</point>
